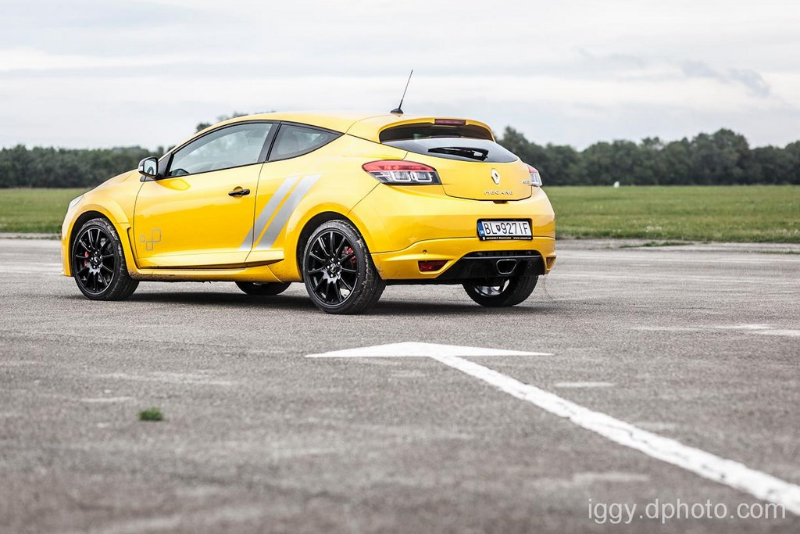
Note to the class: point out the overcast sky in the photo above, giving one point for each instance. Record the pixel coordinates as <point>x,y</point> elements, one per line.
<point>83,73</point>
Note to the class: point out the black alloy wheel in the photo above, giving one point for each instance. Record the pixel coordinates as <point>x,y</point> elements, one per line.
<point>338,270</point>
<point>502,293</point>
<point>98,263</point>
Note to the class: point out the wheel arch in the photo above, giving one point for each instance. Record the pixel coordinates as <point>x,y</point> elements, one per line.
<point>87,216</point>
<point>308,229</point>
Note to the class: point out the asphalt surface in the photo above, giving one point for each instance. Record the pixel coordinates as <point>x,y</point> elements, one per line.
<point>699,344</point>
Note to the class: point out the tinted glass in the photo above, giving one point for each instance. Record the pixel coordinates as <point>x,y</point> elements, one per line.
<point>293,141</point>
<point>460,148</point>
<point>233,146</point>
<point>424,130</point>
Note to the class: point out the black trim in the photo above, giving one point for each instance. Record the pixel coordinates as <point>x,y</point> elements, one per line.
<point>302,125</point>
<point>273,133</point>
<point>503,254</point>
<point>495,266</point>
<point>484,266</point>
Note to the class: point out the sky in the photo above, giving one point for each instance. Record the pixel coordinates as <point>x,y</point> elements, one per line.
<point>105,73</point>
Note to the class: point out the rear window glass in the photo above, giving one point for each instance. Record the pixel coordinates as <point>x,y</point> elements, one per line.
<point>459,148</point>
<point>426,130</point>
<point>294,140</point>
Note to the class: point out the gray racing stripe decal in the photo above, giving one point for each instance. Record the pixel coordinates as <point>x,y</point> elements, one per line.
<point>286,211</point>
<point>267,212</point>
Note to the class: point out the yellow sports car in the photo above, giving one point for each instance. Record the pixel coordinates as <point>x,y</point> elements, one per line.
<point>344,203</point>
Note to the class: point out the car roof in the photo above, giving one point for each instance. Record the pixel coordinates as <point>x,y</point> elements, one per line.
<point>365,125</point>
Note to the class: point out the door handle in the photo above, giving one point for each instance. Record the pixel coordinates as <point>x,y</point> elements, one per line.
<point>239,193</point>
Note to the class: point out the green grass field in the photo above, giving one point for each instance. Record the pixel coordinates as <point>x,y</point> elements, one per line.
<point>743,214</point>
<point>34,210</point>
<point>736,214</point>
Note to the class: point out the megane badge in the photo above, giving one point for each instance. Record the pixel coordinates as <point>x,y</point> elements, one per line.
<point>496,177</point>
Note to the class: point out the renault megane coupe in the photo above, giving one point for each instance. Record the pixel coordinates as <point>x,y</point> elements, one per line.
<point>343,203</point>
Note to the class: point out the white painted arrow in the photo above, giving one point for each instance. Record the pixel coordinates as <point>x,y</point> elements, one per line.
<point>707,465</point>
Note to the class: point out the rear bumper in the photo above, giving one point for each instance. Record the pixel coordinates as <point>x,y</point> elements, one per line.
<point>467,259</point>
<point>406,225</point>
<point>395,219</point>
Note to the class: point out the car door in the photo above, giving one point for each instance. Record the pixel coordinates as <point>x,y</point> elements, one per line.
<point>284,181</point>
<point>201,213</point>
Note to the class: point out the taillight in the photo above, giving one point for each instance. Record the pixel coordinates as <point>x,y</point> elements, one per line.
<point>398,172</point>
<point>536,180</point>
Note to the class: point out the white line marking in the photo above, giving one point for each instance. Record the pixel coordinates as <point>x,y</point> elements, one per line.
<point>417,350</point>
<point>583,385</point>
<point>760,329</point>
<point>628,256</point>
<point>728,472</point>
<point>226,516</point>
<point>655,425</point>
<point>707,465</point>
<point>103,400</point>
<point>170,378</point>
<point>743,327</point>
<point>790,333</point>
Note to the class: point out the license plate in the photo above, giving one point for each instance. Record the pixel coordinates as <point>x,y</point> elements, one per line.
<point>489,230</point>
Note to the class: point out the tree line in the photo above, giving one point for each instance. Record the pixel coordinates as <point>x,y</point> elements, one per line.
<point>721,158</point>
<point>61,167</point>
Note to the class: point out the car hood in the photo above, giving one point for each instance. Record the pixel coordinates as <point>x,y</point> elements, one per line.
<point>118,179</point>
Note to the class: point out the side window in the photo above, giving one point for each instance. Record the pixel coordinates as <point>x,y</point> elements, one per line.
<point>293,141</point>
<point>233,146</point>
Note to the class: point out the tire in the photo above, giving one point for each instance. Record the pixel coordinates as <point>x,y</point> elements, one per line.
<point>98,262</point>
<point>511,292</point>
<point>263,290</point>
<point>338,271</point>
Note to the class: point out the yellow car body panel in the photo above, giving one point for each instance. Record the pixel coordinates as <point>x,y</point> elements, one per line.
<point>189,228</point>
<point>407,215</point>
<point>191,221</point>
<point>414,224</point>
<point>114,199</point>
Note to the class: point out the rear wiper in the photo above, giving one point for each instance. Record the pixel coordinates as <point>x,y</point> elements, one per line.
<point>479,154</point>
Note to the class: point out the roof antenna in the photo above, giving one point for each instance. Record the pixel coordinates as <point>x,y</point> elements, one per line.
<point>399,109</point>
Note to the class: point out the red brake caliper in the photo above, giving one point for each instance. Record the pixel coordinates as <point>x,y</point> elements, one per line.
<point>85,262</point>
<point>348,250</point>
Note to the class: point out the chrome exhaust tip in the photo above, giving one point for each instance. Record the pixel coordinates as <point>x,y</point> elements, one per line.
<point>506,266</point>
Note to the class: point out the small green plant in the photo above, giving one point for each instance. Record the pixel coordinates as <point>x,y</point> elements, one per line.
<point>152,414</point>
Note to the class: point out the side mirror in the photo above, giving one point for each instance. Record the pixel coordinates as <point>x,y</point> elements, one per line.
<point>149,167</point>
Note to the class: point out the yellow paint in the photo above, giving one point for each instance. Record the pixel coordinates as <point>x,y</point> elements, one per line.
<point>189,228</point>
<point>196,221</point>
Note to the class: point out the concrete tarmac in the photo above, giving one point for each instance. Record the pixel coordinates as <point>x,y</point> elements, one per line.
<point>700,344</point>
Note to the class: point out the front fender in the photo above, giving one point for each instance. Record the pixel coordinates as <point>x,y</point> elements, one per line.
<point>85,211</point>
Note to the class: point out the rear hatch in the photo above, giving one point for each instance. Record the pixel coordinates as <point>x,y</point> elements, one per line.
<point>469,163</point>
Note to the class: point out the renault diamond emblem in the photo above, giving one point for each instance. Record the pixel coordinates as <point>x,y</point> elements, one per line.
<point>496,177</point>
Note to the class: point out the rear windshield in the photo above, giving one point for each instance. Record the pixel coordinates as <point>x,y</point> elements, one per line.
<point>459,148</point>
<point>426,129</point>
